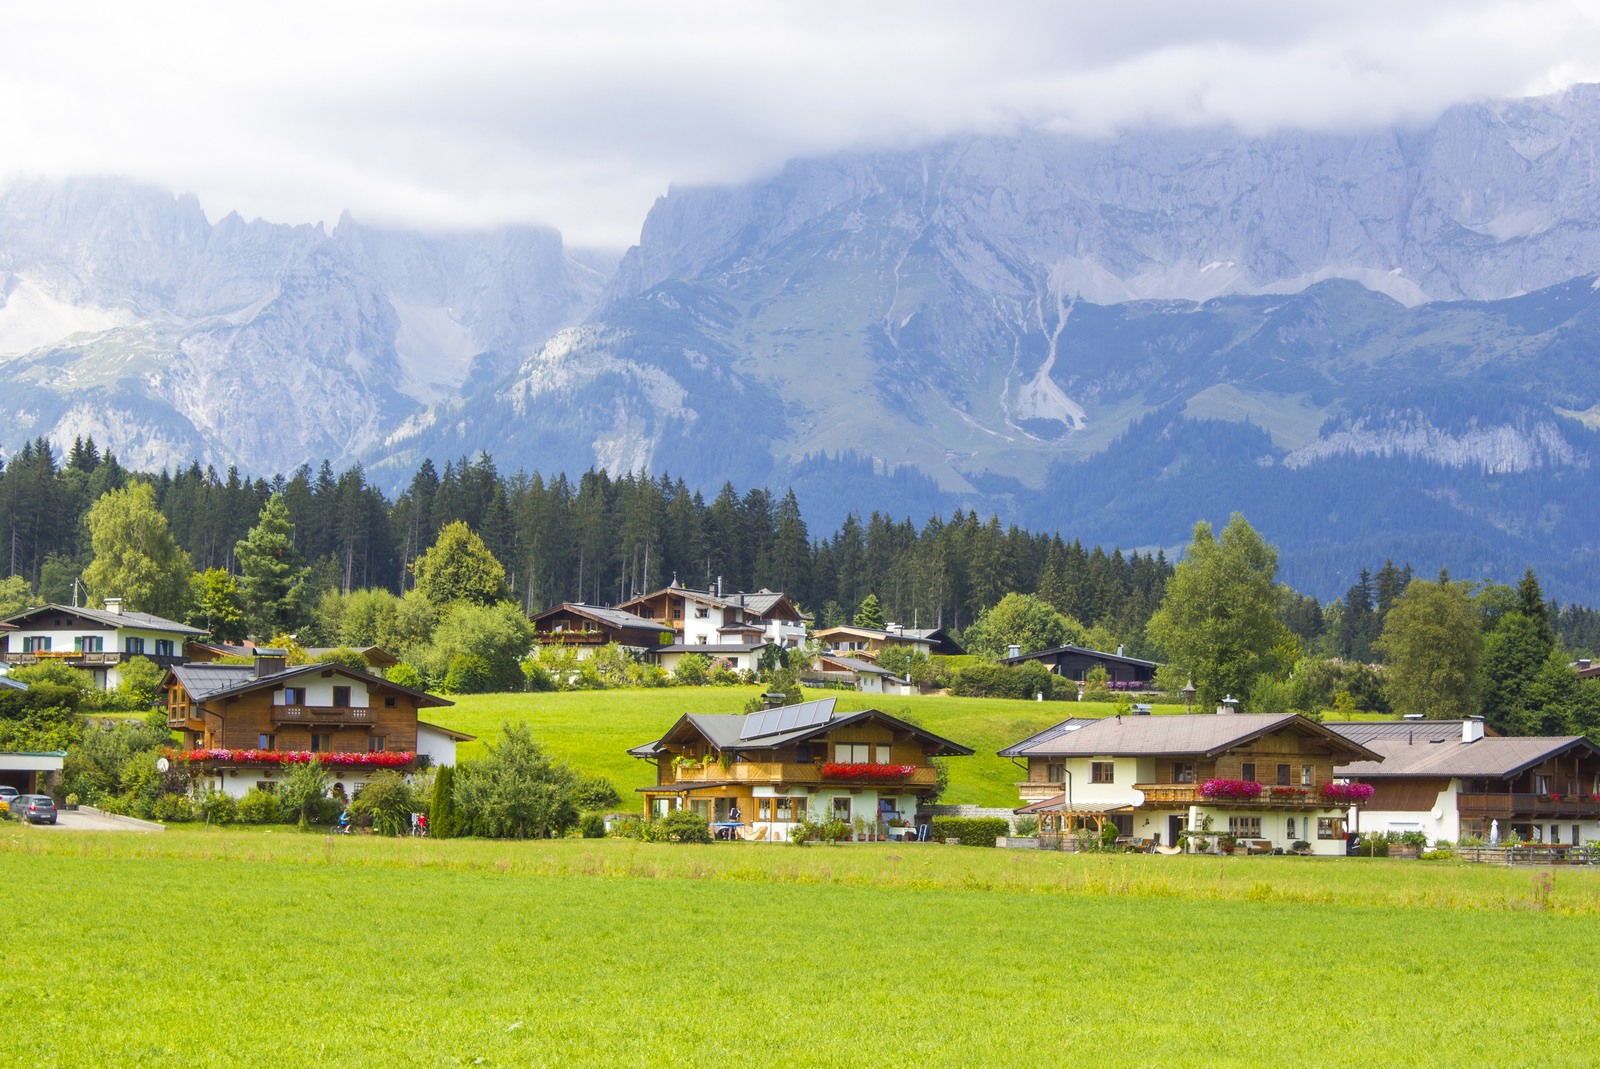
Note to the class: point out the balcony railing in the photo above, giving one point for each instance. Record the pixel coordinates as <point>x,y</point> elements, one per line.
<point>1503,805</point>
<point>320,714</point>
<point>779,773</point>
<point>1189,794</point>
<point>94,659</point>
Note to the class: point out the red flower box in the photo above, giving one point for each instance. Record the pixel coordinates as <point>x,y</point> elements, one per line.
<point>867,773</point>
<point>369,758</point>
<point>1347,792</point>
<point>1235,789</point>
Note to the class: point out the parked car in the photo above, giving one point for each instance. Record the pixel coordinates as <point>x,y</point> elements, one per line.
<point>8,795</point>
<point>35,808</point>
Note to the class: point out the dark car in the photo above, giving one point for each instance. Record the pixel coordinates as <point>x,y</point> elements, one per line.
<point>35,808</point>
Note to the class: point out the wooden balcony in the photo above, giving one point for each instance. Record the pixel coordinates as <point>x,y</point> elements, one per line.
<point>90,660</point>
<point>1503,806</point>
<point>789,774</point>
<point>1187,794</point>
<point>322,714</point>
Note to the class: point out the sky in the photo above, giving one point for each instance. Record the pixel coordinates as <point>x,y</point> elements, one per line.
<point>579,115</point>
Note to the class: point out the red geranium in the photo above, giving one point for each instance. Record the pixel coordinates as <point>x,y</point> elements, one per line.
<point>1347,792</point>
<point>871,773</point>
<point>1237,789</point>
<point>372,758</point>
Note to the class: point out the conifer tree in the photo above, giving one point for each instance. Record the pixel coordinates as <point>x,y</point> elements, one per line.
<point>274,583</point>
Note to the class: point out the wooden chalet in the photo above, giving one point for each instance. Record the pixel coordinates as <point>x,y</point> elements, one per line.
<point>712,618</point>
<point>795,762</point>
<point>1262,778</point>
<point>96,641</point>
<point>865,643</point>
<point>586,627</point>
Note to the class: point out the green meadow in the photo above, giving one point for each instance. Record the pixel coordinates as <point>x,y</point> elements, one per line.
<point>244,947</point>
<point>594,729</point>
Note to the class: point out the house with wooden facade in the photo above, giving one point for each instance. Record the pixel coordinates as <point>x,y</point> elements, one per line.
<point>204,651</point>
<point>1268,780</point>
<point>790,763</point>
<point>712,618</point>
<point>244,725</point>
<point>96,641</point>
<point>1076,662</point>
<point>864,676</point>
<point>865,643</point>
<point>585,628</point>
<point>1450,779</point>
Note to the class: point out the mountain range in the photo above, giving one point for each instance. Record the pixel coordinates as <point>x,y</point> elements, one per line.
<point>1379,343</point>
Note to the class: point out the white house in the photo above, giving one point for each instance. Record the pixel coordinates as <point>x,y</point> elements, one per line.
<point>1262,778</point>
<point>98,641</point>
<point>1449,779</point>
<point>712,618</point>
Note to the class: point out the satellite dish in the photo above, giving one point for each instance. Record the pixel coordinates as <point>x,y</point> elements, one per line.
<point>162,764</point>
<point>1137,797</point>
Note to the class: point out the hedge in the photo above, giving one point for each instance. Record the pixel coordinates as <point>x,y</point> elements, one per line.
<point>972,831</point>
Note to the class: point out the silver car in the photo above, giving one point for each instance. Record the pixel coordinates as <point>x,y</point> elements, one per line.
<point>35,808</point>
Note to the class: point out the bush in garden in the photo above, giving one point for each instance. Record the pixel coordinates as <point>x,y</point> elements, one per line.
<point>595,792</point>
<point>141,680</point>
<point>258,807</point>
<point>1026,826</point>
<point>592,826</point>
<point>389,801</point>
<point>469,674</point>
<point>303,789</point>
<point>972,831</point>
<point>685,826</point>
<point>173,808</point>
<point>692,669</point>
<point>217,807</point>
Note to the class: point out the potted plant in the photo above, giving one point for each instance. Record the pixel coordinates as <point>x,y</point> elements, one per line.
<point>1301,847</point>
<point>1228,842</point>
<point>860,824</point>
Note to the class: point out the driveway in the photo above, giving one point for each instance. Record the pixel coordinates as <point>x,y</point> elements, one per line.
<point>81,821</point>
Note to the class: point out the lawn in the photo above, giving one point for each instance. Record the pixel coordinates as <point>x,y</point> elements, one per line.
<point>240,948</point>
<point>594,729</point>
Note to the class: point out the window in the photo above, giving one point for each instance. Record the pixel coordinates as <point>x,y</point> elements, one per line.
<point>375,743</point>
<point>266,785</point>
<point>702,640</point>
<point>133,645</point>
<point>163,647</point>
<point>294,695</point>
<point>852,753</point>
<point>802,754</point>
<point>1283,775</point>
<point>321,743</point>
<point>647,614</point>
<point>388,703</point>
<point>1248,773</point>
<point>89,644</point>
<point>1245,827</point>
<point>1541,785</point>
<point>1555,834</point>
<point>36,644</point>
<point>1102,772</point>
<point>1055,773</point>
<point>702,614</point>
<point>764,809</point>
<point>841,808</point>
<point>1305,775</point>
<point>1330,827</point>
<point>1182,772</point>
<point>1292,835</point>
<point>783,809</point>
<point>677,612</point>
<point>883,754</point>
<point>341,697</point>
<point>266,742</point>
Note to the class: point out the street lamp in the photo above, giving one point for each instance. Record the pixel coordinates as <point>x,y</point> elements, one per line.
<point>1188,696</point>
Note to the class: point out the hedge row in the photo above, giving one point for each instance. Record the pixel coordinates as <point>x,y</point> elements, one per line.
<point>972,831</point>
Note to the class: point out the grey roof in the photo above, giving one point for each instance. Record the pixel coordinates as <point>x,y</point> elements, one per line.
<point>126,618</point>
<point>1365,731</point>
<point>1206,733</point>
<point>1490,756</point>
<point>11,684</point>
<point>727,732</point>
<point>787,718</point>
<point>1069,648</point>
<point>907,634</point>
<point>760,603</point>
<point>1055,731</point>
<point>207,681</point>
<point>852,664</point>
<point>613,617</point>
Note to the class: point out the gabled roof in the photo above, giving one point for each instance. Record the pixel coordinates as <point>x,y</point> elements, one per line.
<point>7,683</point>
<point>207,682</point>
<point>873,632</point>
<point>760,603</point>
<point>459,736</point>
<point>1069,648</point>
<point>1488,757</point>
<point>936,635</point>
<point>851,664</point>
<point>1055,731</point>
<point>750,731</point>
<point>126,618</point>
<point>710,649</point>
<point>1365,731</point>
<point>609,617</point>
<point>1155,736</point>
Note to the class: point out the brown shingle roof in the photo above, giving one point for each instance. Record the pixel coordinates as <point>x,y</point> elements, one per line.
<point>1489,756</point>
<point>1136,736</point>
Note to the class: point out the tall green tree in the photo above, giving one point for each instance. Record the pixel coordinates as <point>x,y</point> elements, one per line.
<point>135,557</point>
<point>1023,620</point>
<point>274,584</point>
<point>1219,618</point>
<point>1434,649</point>
<point>869,613</point>
<point>459,567</point>
<point>215,605</point>
<point>1514,653</point>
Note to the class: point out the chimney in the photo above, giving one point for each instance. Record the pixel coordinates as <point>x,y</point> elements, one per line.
<point>1472,729</point>
<point>772,700</point>
<point>270,662</point>
<point>1230,704</point>
<point>1119,651</point>
<point>1013,650</point>
<point>719,586</point>
<point>113,606</point>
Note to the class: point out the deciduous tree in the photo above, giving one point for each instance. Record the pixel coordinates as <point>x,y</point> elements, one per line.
<point>135,558</point>
<point>459,567</point>
<point>1433,646</point>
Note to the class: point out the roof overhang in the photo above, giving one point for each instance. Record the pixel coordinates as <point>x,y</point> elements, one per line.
<point>32,762</point>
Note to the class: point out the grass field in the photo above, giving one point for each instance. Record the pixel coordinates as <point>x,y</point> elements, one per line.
<point>241,948</point>
<point>593,729</point>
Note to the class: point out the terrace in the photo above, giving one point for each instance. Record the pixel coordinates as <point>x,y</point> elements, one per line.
<point>321,714</point>
<point>1544,805</point>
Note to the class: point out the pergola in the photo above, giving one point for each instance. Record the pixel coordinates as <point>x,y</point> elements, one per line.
<point>1059,817</point>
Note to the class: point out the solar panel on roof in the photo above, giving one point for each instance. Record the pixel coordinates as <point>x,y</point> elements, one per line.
<point>787,718</point>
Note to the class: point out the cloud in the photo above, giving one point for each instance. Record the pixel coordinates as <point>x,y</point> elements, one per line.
<point>580,114</point>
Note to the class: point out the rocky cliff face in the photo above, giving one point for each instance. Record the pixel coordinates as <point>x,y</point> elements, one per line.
<point>130,317</point>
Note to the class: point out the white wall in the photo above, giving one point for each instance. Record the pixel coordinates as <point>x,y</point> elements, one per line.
<point>319,691</point>
<point>439,747</point>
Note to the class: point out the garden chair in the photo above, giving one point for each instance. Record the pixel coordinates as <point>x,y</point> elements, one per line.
<point>751,835</point>
<point>1169,850</point>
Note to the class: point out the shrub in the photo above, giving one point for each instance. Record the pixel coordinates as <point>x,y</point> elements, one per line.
<point>406,675</point>
<point>216,807</point>
<point>72,799</point>
<point>692,669</point>
<point>258,807</point>
<point>347,657</point>
<point>442,807</point>
<point>469,674</point>
<point>685,826</point>
<point>972,831</point>
<point>595,792</point>
<point>1026,826</point>
<point>389,801</point>
<point>169,808</point>
<point>592,826</point>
